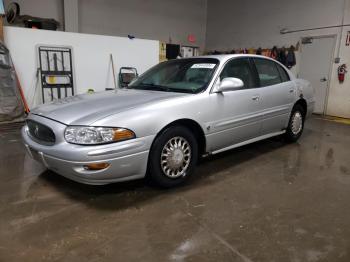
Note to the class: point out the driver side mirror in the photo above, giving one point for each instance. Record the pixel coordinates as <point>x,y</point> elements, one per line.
<point>229,84</point>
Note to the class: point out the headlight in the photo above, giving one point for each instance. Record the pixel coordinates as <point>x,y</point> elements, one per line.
<point>85,135</point>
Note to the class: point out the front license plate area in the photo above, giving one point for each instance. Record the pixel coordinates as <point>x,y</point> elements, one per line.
<point>35,155</point>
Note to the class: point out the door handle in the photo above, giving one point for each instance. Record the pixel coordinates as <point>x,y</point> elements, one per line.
<point>256,98</point>
<point>323,79</point>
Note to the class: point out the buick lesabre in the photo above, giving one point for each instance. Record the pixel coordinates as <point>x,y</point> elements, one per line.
<point>167,118</point>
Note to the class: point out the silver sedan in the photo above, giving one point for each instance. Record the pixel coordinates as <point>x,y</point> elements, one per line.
<point>174,113</point>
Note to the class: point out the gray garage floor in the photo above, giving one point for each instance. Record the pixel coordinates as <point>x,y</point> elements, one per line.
<point>264,202</point>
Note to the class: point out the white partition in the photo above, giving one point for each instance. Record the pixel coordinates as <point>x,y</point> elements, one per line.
<point>91,57</point>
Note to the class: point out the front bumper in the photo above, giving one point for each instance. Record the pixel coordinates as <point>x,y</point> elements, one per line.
<point>127,160</point>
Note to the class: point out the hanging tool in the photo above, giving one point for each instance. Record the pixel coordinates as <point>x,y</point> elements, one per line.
<point>114,79</point>
<point>1,29</point>
<point>24,101</point>
<point>2,13</point>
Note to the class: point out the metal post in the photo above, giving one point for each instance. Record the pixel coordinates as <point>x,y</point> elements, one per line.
<point>115,82</point>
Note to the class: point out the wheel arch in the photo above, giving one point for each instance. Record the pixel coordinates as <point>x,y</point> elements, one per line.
<point>193,126</point>
<point>302,102</point>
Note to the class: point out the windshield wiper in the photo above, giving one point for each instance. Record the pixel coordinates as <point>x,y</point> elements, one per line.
<point>151,87</point>
<point>154,87</point>
<point>180,90</point>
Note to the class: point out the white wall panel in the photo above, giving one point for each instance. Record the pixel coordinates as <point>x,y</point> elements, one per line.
<point>91,57</point>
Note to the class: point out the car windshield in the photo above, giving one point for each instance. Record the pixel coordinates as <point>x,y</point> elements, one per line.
<point>190,75</point>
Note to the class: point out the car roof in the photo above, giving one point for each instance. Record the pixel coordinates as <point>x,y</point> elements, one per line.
<point>225,57</point>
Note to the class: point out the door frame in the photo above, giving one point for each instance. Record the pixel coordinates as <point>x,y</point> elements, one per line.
<point>334,37</point>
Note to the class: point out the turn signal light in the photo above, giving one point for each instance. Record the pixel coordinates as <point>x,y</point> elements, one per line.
<point>122,134</point>
<point>96,166</point>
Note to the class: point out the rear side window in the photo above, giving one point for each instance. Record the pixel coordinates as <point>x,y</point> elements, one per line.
<point>240,68</point>
<point>284,75</point>
<point>268,72</point>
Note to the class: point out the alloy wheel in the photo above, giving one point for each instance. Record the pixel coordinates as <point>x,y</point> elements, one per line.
<point>175,157</point>
<point>297,123</point>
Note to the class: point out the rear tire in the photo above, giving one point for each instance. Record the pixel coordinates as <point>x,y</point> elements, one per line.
<point>295,125</point>
<point>173,157</point>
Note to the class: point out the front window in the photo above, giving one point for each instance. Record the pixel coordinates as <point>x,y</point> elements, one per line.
<point>183,75</point>
<point>240,68</point>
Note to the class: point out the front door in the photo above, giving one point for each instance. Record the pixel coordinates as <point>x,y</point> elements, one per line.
<point>238,113</point>
<point>315,65</point>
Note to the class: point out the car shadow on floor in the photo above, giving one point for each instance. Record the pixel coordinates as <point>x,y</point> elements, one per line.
<point>134,193</point>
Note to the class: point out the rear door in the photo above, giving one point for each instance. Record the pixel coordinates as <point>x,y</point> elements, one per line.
<point>238,113</point>
<point>277,95</point>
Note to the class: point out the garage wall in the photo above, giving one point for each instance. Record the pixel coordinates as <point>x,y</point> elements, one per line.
<point>249,23</point>
<point>150,19</point>
<point>147,19</point>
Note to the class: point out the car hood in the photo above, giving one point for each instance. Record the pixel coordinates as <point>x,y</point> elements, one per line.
<point>88,108</point>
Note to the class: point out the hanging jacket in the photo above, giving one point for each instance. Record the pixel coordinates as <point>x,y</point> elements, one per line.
<point>251,51</point>
<point>282,58</point>
<point>291,60</point>
<point>266,52</point>
<point>274,52</point>
<point>259,51</point>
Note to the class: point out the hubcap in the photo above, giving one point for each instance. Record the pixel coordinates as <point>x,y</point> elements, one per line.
<point>175,157</point>
<point>297,123</point>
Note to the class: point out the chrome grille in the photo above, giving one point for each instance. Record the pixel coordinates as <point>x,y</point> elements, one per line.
<point>41,133</point>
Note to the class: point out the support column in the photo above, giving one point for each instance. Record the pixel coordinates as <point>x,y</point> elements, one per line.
<point>71,21</point>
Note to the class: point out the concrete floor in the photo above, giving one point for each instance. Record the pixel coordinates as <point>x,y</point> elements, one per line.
<point>268,201</point>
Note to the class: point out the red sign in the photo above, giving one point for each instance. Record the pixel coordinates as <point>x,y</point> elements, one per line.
<point>191,38</point>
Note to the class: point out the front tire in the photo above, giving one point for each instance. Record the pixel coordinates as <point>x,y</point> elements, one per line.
<point>173,157</point>
<point>296,124</point>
